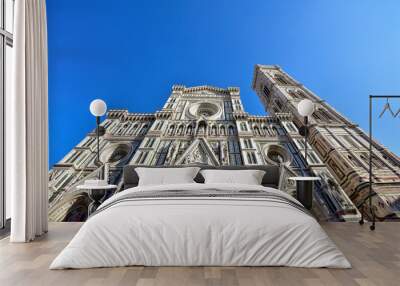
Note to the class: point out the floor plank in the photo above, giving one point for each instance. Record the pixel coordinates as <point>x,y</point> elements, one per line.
<point>375,257</point>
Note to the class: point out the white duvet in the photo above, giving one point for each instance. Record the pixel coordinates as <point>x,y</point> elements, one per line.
<point>206,230</point>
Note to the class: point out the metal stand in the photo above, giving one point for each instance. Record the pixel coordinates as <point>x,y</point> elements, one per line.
<point>303,131</point>
<point>304,190</point>
<point>96,197</point>
<point>96,194</point>
<point>371,97</point>
<point>305,138</point>
<point>100,131</point>
<point>98,138</point>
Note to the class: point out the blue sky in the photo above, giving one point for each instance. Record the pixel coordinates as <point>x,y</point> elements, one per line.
<point>130,53</point>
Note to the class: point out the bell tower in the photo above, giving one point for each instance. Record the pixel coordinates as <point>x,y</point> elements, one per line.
<point>340,145</point>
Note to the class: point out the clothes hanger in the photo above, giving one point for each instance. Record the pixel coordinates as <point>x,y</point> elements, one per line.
<point>387,107</point>
<point>397,113</point>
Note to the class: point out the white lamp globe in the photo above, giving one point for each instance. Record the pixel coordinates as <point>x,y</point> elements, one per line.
<point>98,107</point>
<point>305,107</point>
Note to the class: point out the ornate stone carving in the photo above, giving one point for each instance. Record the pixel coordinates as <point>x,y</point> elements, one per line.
<point>224,153</point>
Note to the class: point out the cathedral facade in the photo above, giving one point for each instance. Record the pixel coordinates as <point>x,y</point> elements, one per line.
<point>208,125</point>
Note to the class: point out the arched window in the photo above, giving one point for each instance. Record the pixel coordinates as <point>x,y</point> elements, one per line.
<point>222,130</point>
<point>135,127</point>
<point>180,130</point>
<point>159,125</point>
<point>234,153</point>
<point>256,130</point>
<point>276,131</point>
<point>231,130</point>
<point>280,79</point>
<point>214,130</point>
<point>144,129</point>
<point>202,127</point>
<point>120,130</point>
<point>162,152</point>
<point>139,157</point>
<point>266,130</point>
<point>243,126</point>
<point>247,143</point>
<point>279,104</point>
<point>171,130</point>
<point>144,157</point>
<point>189,130</point>
<point>149,142</point>
<point>251,158</point>
<point>266,91</point>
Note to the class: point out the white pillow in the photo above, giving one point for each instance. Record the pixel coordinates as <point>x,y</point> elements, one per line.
<point>248,177</point>
<point>166,176</point>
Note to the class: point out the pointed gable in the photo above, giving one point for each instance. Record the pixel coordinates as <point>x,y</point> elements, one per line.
<point>199,152</point>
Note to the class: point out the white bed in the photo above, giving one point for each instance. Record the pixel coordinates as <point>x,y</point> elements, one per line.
<point>203,225</point>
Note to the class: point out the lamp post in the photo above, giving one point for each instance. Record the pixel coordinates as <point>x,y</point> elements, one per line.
<point>98,108</point>
<point>305,184</point>
<point>305,108</point>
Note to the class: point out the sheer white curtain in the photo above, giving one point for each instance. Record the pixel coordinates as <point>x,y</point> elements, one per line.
<point>26,123</point>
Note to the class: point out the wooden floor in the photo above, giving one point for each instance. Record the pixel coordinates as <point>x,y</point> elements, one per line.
<point>375,257</point>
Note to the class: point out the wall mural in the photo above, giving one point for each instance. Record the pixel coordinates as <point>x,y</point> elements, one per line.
<point>208,125</point>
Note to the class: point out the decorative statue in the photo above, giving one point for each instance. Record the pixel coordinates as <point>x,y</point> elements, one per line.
<point>201,129</point>
<point>189,130</point>
<point>224,153</point>
<point>197,156</point>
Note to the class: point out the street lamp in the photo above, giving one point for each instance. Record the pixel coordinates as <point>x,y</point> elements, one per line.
<point>98,108</point>
<point>305,108</point>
